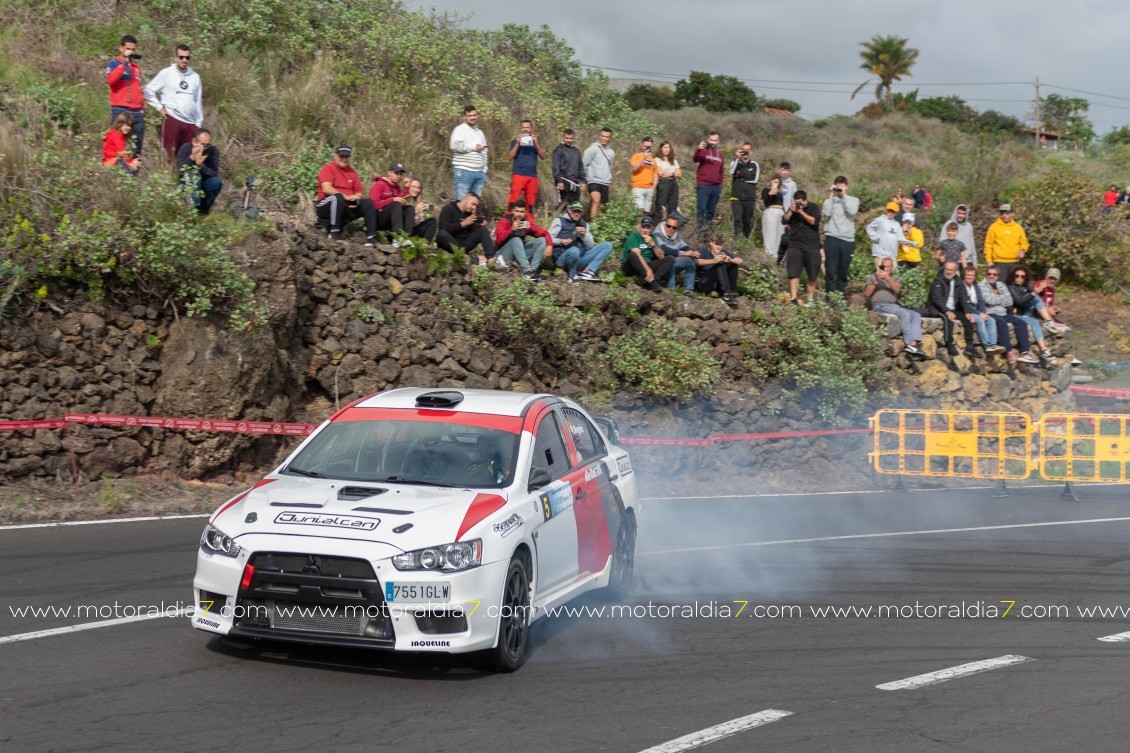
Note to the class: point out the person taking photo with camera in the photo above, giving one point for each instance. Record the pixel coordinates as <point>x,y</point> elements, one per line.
<point>525,151</point>
<point>198,164</point>
<point>123,76</point>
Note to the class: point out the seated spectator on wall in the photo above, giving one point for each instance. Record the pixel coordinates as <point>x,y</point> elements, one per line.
<point>978,315</point>
<point>520,239</point>
<point>460,224</point>
<point>998,302</point>
<point>198,163</point>
<point>574,249</point>
<point>946,301</point>
<point>115,145</point>
<point>1025,299</point>
<point>644,259</point>
<point>340,200</point>
<point>425,226</point>
<point>1045,288</point>
<point>668,237</point>
<point>882,294</point>
<point>718,270</point>
<point>396,212</point>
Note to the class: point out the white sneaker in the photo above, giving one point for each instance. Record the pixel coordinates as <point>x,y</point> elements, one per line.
<point>482,260</point>
<point>500,262</point>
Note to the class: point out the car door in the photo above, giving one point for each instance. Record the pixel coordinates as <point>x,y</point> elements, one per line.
<point>596,508</point>
<point>555,535</point>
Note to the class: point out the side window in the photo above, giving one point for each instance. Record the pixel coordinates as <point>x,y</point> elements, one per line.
<point>549,449</point>
<point>586,438</point>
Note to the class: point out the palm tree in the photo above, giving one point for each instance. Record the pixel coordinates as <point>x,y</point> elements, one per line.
<point>888,58</point>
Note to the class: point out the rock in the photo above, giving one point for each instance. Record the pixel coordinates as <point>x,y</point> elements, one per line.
<point>417,376</point>
<point>935,379</point>
<point>975,387</point>
<point>395,285</point>
<point>1000,387</point>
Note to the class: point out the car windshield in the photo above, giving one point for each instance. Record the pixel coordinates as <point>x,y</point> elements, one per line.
<point>430,453</point>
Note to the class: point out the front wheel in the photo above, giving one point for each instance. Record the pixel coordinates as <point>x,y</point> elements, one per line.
<point>622,577</point>
<point>513,623</point>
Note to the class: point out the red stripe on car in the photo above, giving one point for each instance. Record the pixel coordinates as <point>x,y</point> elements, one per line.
<point>511,424</point>
<point>239,497</point>
<point>481,506</point>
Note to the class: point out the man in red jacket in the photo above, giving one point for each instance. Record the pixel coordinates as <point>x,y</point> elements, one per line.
<point>520,238</point>
<point>708,179</point>
<point>396,211</point>
<point>123,76</point>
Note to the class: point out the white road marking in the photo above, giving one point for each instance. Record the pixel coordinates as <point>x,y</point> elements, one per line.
<point>90,626</point>
<point>972,668</point>
<point>1046,485</point>
<point>928,532</point>
<point>101,522</point>
<point>1116,638</point>
<point>719,731</point>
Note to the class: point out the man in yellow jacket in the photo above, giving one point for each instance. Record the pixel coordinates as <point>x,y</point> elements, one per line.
<point>1005,242</point>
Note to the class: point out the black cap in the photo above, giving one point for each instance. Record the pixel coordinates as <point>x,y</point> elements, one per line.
<point>344,150</point>
<point>647,221</point>
<point>396,167</point>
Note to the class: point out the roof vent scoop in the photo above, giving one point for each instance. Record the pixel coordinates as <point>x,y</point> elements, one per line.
<point>446,399</point>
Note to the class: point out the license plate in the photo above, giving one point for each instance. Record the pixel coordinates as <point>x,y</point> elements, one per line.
<point>417,593</point>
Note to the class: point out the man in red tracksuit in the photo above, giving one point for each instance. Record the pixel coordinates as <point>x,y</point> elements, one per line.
<point>708,179</point>
<point>123,76</point>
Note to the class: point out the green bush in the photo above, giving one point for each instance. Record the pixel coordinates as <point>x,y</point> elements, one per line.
<point>760,281</point>
<point>661,360</point>
<point>619,219</point>
<point>823,356</point>
<point>1062,216</point>
<point>523,318</point>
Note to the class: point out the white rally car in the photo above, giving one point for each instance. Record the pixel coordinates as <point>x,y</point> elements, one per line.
<point>425,520</point>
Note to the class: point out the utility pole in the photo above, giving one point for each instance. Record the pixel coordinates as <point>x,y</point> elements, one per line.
<point>1038,123</point>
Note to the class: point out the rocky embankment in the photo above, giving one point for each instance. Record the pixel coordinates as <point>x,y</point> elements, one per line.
<point>349,321</point>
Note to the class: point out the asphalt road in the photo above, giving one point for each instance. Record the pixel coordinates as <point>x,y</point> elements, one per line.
<point>626,684</point>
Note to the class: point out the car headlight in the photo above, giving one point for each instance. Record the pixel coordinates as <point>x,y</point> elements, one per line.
<point>447,557</point>
<point>217,542</point>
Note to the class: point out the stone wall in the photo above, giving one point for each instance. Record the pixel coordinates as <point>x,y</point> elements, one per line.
<point>349,321</point>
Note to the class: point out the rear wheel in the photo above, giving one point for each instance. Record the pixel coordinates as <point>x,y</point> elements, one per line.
<point>513,623</point>
<point>622,577</point>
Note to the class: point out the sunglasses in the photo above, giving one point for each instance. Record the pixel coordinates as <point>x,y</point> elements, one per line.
<point>184,57</point>
<point>671,227</point>
<point>992,274</point>
<point>1020,277</point>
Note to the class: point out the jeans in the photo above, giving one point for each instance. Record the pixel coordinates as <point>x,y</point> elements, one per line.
<point>138,124</point>
<point>1020,329</point>
<point>707,202</point>
<point>575,258</point>
<point>528,252</point>
<point>986,331</point>
<point>1034,323</point>
<point>468,181</point>
<point>837,262</point>
<point>207,191</point>
<point>911,321</point>
<point>686,265</point>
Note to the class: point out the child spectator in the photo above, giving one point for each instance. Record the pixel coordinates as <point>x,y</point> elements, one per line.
<point>910,254</point>
<point>718,270</point>
<point>115,149</point>
<point>951,249</point>
<point>886,235</point>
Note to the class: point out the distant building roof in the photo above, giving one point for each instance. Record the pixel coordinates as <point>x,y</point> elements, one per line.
<point>1052,135</point>
<point>776,111</point>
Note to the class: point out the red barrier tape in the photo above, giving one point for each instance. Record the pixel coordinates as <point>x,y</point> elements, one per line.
<point>1100,391</point>
<point>194,424</point>
<point>27,425</point>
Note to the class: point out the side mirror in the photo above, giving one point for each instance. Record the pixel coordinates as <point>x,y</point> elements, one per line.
<point>539,477</point>
<point>608,426</point>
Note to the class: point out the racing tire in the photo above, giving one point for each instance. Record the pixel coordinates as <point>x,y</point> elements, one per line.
<point>621,579</point>
<point>513,624</point>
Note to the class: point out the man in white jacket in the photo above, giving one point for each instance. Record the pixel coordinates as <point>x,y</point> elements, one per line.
<point>469,155</point>
<point>177,94</point>
<point>886,235</point>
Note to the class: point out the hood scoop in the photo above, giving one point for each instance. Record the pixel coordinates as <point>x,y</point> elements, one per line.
<point>358,493</point>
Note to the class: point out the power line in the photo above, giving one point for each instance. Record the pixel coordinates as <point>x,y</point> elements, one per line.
<point>1083,91</point>
<point>808,83</point>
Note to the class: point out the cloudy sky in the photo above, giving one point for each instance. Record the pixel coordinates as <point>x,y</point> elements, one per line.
<point>1005,47</point>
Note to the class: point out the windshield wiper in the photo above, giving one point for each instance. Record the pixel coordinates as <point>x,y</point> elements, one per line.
<point>302,472</point>
<point>420,482</point>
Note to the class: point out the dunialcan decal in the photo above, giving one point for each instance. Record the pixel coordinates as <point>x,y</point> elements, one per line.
<point>506,527</point>
<point>352,522</point>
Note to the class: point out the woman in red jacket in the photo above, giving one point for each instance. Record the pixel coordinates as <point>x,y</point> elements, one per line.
<point>115,149</point>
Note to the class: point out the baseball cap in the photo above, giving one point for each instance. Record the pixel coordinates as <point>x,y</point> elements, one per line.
<point>647,222</point>
<point>1006,207</point>
<point>577,206</point>
<point>344,150</point>
<point>1053,274</point>
<point>396,167</point>
<point>908,217</point>
<point>893,206</point>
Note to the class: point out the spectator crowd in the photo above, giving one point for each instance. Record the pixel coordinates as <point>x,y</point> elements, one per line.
<point>1005,311</point>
